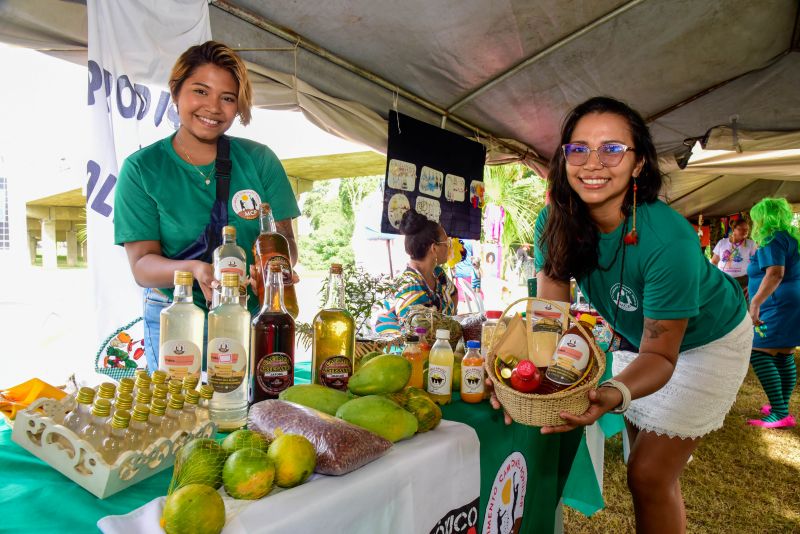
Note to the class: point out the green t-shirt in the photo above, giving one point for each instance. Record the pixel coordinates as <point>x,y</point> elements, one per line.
<point>160,197</point>
<point>666,276</point>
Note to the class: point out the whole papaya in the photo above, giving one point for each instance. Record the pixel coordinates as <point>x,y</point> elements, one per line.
<point>380,416</point>
<point>315,396</point>
<point>384,374</point>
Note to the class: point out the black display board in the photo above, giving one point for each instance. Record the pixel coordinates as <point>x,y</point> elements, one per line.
<point>436,172</point>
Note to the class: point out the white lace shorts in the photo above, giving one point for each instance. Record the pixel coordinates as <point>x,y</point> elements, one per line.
<point>700,392</point>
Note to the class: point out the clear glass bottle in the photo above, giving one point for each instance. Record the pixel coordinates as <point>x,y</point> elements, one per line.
<point>124,401</point>
<point>271,343</point>
<point>171,424</point>
<point>114,442</point>
<point>79,417</point>
<point>202,412</point>
<point>107,390</point>
<point>270,248</point>
<point>229,358</point>
<point>334,337</point>
<point>190,382</point>
<point>96,430</point>
<point>229,258</point>
<point>142,383</point>
<point>182,323</point>
<point>157,410</point>
<point>188,416</point>
<point>440,368</point>
<point>136,435</point>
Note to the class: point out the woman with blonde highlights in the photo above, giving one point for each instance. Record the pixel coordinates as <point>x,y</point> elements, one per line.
<point>170,203</point>
<point>774,285</point>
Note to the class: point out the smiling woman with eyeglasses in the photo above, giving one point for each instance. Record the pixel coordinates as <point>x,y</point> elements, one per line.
<point>640,264</point>
<point>424,282</point>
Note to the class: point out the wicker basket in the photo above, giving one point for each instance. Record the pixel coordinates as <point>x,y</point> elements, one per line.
<point>542,410</point>
<point>381,344</point>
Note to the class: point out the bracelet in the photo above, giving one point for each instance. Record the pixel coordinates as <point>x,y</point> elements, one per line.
<point>623,389</point>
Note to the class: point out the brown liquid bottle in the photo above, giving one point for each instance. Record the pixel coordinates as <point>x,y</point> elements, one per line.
<point>270,248</point>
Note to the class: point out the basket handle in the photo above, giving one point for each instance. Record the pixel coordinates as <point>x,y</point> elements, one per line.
<point>530,301</point>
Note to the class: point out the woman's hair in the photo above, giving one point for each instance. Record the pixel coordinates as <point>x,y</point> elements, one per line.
<point>420,233</point>
<point>738,222</point>
<point>571,237</point>
<point>212,52</point>
<point>770,216</point>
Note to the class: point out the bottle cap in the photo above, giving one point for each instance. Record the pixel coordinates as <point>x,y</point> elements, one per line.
<point>175,386</point>
<point>176,401</point>
<point>141,372</point>
<point>141,412</point>
<point>588,318</point>
<point>126,384</point>
<point>101,408</point>
<point>159,407</point>
<point>183,278</point>
<point>85,395</point>
<point>144,396</point>
<point>265,207</point>
<point>192,396</point>
<point>526,369</point>
<point>124,401</point>
<point>160,391</point>
<point>206,391</point>
<point>121,419</point>
<point>473,344</point>
<point>143,381</point>
<point>230,280</point>
<point>190,382</point>
<point>336,268</point>
<point>412,339</point>
<point>229,230</point>
<point>275,267</point>
<point>159,377</point>
<point>493,314</point>
<point>107,390</point>
<point>442,334</point>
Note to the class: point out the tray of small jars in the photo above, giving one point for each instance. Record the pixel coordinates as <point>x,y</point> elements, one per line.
<point>535,336</point>
<point>103,457</point>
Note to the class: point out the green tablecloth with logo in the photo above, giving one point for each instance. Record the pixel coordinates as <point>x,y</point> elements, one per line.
<point>36,498</point>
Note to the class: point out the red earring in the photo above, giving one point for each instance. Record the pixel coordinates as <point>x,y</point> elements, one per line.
<point>632,238</point>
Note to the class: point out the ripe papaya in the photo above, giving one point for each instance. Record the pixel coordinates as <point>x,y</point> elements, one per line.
<point>426,411</point>
<point>315,396</point>
<point>380,416</point>
<point>384,374</point>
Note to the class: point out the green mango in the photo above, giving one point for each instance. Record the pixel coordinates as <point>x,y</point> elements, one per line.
<point>315,396</point>
<point>384,374</point>
<point>380,416</point>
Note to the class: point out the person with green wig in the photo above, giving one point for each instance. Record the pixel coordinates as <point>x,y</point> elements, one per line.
<point>774,287</point>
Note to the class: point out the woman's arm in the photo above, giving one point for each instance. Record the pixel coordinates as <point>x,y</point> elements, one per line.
<point>551,289</point>
<point>649,372</point>
<point>151,269</point>
<point>770,282</point>
<point>284,228</point>
<point>715,259</point>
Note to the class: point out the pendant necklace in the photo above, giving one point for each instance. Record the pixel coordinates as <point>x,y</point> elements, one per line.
<point>205,176</point>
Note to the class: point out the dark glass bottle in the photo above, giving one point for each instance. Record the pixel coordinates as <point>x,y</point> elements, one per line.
<point>271,343</point>
<point>270,248</point>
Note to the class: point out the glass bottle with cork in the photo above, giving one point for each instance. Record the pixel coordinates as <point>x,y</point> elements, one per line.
<point>440,368</point>
<point>334,337</point>
<point>182,324</point>
<point>271,343</point>
<point>229,258</point>
<point>472,375</point>
<point>228,358</point>
<point>271,247</point>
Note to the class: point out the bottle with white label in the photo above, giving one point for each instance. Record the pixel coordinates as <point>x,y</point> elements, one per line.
<point>229,258</point>
<point>572,354</point>
<point>228,357</point>
<point>182,325</point>
<point>472,377</point>
<point>440,368</point>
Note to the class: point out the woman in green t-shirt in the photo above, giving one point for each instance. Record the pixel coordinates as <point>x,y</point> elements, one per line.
<point>639,264</point>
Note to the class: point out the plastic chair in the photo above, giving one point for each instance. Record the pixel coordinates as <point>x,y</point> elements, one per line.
<point>470,297</point>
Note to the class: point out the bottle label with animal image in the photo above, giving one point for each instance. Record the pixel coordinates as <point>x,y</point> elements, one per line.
<point>439,379</point>
<point>180,358</point>
<point>227,362</point>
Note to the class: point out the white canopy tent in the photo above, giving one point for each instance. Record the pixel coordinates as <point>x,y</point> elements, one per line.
<point>505,72</point>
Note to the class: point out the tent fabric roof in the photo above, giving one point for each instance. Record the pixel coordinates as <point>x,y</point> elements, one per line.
<point>511,69</point>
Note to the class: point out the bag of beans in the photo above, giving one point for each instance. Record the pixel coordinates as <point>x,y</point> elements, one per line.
<point>341,447</point>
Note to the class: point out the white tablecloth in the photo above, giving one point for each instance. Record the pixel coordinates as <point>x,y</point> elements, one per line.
<point>409,490</point>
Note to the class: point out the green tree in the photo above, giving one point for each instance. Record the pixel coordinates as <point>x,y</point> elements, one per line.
<point>521,194</point>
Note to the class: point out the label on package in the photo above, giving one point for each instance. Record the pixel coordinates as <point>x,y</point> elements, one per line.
<point>229,265</point>
<point>227,364</point>
<point>472,379</point>
<point>440,378</point>
<point>275,373</point>
<point>180,358</point>
<point>335,372</point>
<point>286,267</point>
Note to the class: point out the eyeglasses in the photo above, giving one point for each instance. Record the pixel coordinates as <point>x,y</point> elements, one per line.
<point>609,154</point>
<point>447,242</point>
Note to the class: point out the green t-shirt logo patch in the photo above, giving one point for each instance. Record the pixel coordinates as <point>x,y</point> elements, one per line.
<point>245,203</point>
<point>627,298</point>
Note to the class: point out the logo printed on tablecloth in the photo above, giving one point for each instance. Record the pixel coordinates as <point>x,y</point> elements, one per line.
<point>503,513</point>
<point>245,203</point>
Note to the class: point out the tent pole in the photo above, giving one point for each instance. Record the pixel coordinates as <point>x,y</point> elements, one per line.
<point>389,250</point>
<point>288,35</point>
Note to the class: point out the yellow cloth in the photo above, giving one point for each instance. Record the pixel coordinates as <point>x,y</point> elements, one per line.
<point>21,396</point>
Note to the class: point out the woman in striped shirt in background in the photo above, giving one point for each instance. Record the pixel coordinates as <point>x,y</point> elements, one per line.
<point>424,282</point>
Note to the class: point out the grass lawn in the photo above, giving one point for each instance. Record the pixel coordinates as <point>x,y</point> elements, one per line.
<point>743,479</point>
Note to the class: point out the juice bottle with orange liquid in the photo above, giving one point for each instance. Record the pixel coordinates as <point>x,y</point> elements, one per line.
<point>472,377</point>
<point>414,355</point>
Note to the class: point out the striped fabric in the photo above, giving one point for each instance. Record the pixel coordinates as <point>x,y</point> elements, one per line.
<point>411,291</point>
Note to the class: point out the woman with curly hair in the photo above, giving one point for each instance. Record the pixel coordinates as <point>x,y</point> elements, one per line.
<point>774,285</point>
